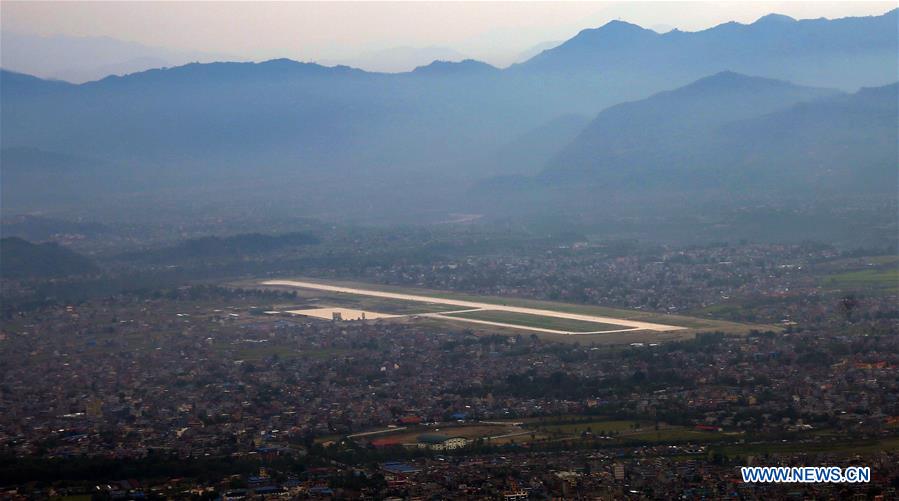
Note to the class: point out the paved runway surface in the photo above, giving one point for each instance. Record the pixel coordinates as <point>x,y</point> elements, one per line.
<point>630,324</point>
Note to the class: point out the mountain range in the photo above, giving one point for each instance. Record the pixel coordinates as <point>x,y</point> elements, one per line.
<point>398,59</point>
<point>23,259</point>
<point>676,109</point>
<point>730,130</point>
<point>83,59</point>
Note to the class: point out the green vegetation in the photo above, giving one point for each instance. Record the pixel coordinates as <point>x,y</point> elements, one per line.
<point>879,260</point>
<point>676,434</point>
<point>625,431</point>
<point>596,427</point>
<point>885,279</point>
<point>379,305</point>
<point>840,446</point>
<point>539,321</point>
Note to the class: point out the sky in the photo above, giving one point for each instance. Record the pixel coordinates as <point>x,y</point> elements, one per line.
<point>495,32</point>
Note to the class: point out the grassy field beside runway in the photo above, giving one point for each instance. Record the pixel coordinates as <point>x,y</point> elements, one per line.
<point>540,321</point>
<point>317,298</point>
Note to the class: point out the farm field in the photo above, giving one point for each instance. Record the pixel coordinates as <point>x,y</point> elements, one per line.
<point>885,279</point>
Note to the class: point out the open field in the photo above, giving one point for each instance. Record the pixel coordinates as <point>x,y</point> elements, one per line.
<point>369,303</point>
<point>495,434</point>
<point>618,431</point>
<point>627,326</point>
<point>527,320</point>
<point>885,279</point>
<point>675,435</point>
<point>842,447</point>
<point>603,427</point>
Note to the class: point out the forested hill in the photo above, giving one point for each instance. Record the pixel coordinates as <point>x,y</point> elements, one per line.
<point>22,259</point>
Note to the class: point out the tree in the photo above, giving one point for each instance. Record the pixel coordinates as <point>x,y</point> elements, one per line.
<point>848,305</point>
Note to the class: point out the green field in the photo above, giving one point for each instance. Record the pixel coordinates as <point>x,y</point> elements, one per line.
<point>368,303</point>
<point>539,321</point>
<point>889,259</point>
<point>630,431</point>
<point>676,434</point>
<point>596,427</point>
<point>884,279</point>
<point>837,447</point>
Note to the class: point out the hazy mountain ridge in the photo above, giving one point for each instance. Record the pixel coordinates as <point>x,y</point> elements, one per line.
<point>21,259</point>
<point>622,62</point>
<point>529,152</point>
<point>759,48</point>
<point>844,144</point>
<point>398,59</point>
<point>54,57</point>
<point>337,135</point>
<point>731,132</point>
<point>466,66</point>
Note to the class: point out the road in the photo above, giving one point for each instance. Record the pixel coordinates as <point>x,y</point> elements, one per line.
<point>630,324</point>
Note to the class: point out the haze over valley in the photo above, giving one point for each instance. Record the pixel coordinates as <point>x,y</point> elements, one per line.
<point>418,145</point>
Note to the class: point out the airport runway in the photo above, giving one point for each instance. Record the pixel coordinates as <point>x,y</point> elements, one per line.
<point>631,324</point>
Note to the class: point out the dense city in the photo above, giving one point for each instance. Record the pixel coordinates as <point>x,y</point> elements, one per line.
<point>215,392</point>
